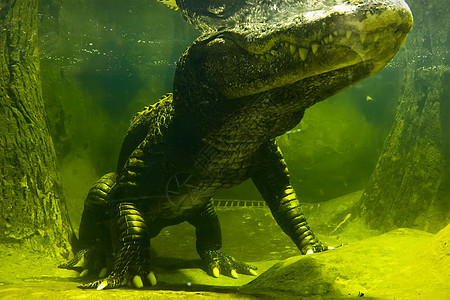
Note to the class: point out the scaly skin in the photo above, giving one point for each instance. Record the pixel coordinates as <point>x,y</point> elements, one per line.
<point>245,81</point>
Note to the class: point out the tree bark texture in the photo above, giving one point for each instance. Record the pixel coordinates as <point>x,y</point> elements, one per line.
<point>410,184</point>
<point>32,209</point>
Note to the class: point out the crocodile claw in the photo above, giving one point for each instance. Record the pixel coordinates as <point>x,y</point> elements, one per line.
<point>218,263</point>
<point>103,273</point>
<point>78,259</point>
<point>115,281</point>
<point>88,262</point>
<point>315,248</point>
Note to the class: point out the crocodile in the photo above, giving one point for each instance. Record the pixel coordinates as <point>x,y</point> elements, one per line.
<point>248,78</point>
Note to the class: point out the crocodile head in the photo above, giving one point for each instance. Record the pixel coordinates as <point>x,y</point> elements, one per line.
<point>292,52</point>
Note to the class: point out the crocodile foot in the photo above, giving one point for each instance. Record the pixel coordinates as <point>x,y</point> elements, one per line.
<point>76,261</point>
<point>314,247</point>
<point>217,263</point>
<point>88,261</point>
<point>123,279</point>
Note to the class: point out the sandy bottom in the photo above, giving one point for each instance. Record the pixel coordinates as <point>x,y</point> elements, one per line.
<point>402,264</point>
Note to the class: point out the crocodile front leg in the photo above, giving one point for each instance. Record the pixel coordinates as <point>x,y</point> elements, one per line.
<point>271,177</point>
<point>131,235</point>
<point>209,242</point>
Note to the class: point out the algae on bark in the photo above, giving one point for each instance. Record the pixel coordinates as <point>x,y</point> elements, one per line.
<point>32,209</point>
<point>410,184</point>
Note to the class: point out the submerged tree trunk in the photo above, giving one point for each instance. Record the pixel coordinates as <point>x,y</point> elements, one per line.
<point>32,209</point>
<point>410,185</point>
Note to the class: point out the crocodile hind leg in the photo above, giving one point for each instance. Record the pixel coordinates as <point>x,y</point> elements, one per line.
<point>133,250</point>
<point>93,249</point>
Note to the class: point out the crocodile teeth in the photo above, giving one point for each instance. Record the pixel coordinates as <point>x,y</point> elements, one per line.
<point>402,39</point>
<point>314,48</point>
<point>362,37</point>
<point>376,36</point>
<point>293,49</point>
<point>303,53</point>
<point>348,34</point>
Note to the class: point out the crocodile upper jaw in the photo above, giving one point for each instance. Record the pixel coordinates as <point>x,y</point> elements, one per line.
<point>250,59</point>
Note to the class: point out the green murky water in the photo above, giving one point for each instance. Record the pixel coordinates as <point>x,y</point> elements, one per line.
<point>101,62</point>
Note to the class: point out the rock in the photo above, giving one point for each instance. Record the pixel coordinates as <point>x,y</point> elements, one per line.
<point>403,263</point>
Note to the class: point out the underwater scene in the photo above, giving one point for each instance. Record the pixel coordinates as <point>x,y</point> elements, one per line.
<point>224,149</point>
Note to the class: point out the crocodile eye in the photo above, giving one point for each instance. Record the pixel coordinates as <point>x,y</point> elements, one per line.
<point>217,10</point>
<point>212,8</point>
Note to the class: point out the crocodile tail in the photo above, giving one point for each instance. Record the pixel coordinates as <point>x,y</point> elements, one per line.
<point>93,224</point>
